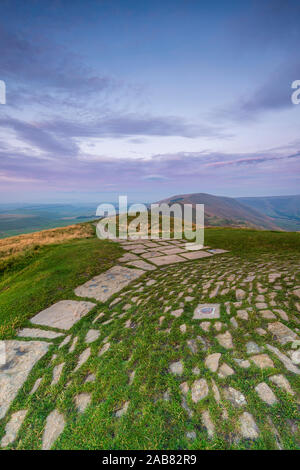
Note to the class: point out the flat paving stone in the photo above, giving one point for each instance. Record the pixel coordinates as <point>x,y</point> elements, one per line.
<point>195,247</point>
<point>57,373</point>
<point>91,336</point>
<point>282,382</point>
<point>195,255</point>
<point>128,257</point>
<point>244,363</point>
<point>282,333</point>
<point>176,368</point>
<point>104,349</point>
<point>265,393</point>
<point>225,371</point>
<point>36,385</point>
<point>209,311</point>
<point>262,361</point>
<point>240,294</point>
<point>83,358</point>
<point>268,315</point>
<point>171,250</point>
<point>151,254</point>
<point>82,401</point>
<point>209,425</point>
<point>282,314</point>
<point>20,356</point>
<point>248,427</point>
<point>212,361</point>
<point>199,390</point>
<point>297,292</point>
<point>242,315</point>
<point>177,313</point>
<point>235,397</point>
<point>110,282</point>
<point>134,247</point>
<point>12,427</point>
<point>284,359</point>
<point>63,315</point>
<point>142,265</point>
<point>36,333</point>
<point>150,244</point>
<point>253,348</point>
<point>168,259</point>
<point>65,341</point>
<point>73,345</point>
<point>225,340</point>
<point>55,424</point>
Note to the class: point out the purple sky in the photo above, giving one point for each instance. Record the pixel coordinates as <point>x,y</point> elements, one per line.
<point>148,99</point>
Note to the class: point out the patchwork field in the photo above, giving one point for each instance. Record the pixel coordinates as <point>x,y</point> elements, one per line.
<point>146,345</point>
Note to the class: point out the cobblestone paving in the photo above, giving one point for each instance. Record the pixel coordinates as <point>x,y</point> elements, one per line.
<point>209,344</point>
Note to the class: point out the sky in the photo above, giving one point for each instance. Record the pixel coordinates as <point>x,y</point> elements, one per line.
<point>148,99</point>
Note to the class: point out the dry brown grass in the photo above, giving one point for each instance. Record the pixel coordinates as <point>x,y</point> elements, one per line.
<point>15,245</point>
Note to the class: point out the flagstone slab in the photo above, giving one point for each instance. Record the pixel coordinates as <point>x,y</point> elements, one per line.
<point>195,247</point>
<point>210,311</point>
<point>195,255</point>
<point>151,254</point>
<point>151,244</point>
<point>20,357</point>
<point>265,393</point>
<point>199,390</point>
<point>284,359</point>
<point>142,265</point>
<point>282,333</point>
<point>135,247</point>
<point>128,257</point>
<point>262,361</point>
<point>55,424</point>
<point>92,335</point>
<point>12,427</point>
<point>168,259</point>
<point>171,250</point>
<point>248,427</point>
<point>82,401</point>
<point>57,373</point>
<point>36,385</point>
<point>110,282</point>
<point>37,333</point>
<point>64,314</point>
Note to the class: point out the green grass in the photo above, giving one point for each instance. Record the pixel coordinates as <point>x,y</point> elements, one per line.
<point>36,280</point>
<point>248,242</point>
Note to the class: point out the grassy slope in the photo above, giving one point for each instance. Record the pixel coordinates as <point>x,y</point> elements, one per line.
<point>250,242</point>
<point>39,279</point>
<point>34,281</point>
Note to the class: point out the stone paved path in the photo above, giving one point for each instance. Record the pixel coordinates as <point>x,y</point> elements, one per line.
<point>229,334</point>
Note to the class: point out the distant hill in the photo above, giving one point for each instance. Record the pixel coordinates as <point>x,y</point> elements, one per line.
<point>225,211</point>
<point>284,211</point>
